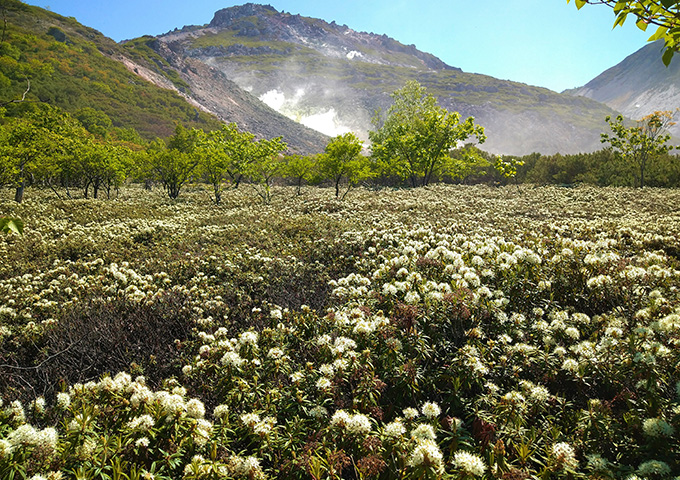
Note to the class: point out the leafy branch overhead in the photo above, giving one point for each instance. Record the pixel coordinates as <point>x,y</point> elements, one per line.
<point>664,14</point>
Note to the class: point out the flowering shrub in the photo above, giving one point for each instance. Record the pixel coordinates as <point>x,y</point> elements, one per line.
<point>463,332</point>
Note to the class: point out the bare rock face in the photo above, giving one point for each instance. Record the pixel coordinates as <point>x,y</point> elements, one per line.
<point>638,86</point>
<point>333,79</point>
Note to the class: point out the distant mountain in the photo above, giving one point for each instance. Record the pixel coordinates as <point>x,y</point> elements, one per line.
<point>641,84</point>
<point>274,74</point>
<point>73,67</point>
<point>333,78</point>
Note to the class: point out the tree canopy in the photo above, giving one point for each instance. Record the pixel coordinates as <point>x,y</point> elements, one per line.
<point>640,143</point>
<point>663,14</point>
<point>415,139</point>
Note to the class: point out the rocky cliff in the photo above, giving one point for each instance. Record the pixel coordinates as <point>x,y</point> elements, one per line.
<point>333,79</point>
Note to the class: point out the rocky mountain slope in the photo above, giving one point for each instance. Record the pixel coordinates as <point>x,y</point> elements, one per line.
<point>638,86</point>
<point>75,67</point>
<point>334,79</point>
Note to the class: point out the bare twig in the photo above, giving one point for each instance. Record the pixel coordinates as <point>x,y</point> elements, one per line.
<point>19,100</point>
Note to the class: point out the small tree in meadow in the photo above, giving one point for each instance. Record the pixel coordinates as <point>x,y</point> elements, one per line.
<point>642,142</point>
<point>343,159</point>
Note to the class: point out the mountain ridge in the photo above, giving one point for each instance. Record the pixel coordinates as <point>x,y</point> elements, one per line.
<point>334,79</point>
<point>638,85</point>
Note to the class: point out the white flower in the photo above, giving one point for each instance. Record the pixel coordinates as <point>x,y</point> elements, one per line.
<point>570,365</point>
<point>657,427</point>
<point>395,429</point>
<point>250,419</point>
<point>426,453</point>
<point>142,442</point>
<point>142,424</point>
<point>248,338</point>
<point>358,424</point>
<point>412,297</point>
<point>340,418</point>
<point>411,413</point>
<point>63,400</point>
<point>221,412</point>
<point>232,358</point>
<point>564,455</point>
<point>423,432</point>
<point>469,463</point>
<point>431,410</point>
<point>275,353</point>
<point>323,383</point>
<point>195,408</point>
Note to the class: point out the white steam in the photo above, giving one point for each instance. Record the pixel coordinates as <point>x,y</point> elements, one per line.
<point>324,121</point>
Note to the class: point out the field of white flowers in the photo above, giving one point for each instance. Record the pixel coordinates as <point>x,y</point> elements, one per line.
<point>449,332</point>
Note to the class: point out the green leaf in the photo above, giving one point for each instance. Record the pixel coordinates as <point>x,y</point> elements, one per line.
<point>620,19</point>
<point>667,56</point>
<point>669,3</point>
<point>642,24</point>
<point>580,3</point>
<point>660,33</point>
<point>11,225</point>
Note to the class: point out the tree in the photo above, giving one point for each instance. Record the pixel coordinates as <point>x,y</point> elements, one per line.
<point>299,167</point>
<point>664,14</point>
<point>266,163</point>
<point>226,154</point>
<point>101,165</point>
<point>416,137</point>
<point>31,147</point>
<point>641,143</point>
<point>506,166</point>
<point>343,159</point>
<point>174,164</point>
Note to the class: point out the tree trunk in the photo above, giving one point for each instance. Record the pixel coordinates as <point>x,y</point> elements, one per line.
<point>337,186</point>
<point>19,193</point>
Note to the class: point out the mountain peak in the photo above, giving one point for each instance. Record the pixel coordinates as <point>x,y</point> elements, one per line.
<point>226,17</point>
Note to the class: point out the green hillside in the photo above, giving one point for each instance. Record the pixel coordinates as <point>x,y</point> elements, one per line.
<point>73,67</point>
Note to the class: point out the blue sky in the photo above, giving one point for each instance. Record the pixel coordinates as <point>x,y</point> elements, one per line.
<point>539,42</point>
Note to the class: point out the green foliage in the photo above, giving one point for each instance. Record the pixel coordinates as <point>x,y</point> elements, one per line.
<point>174,164</point>
<point>236,145</point>
<point>301,168</point>
<point>8,225</point>
<point>664,14</point>
<point>33,147</point>
<point>641,143</point>
<point>266,162</point>
<point>343,159</point>
<point>95,121</point>
<point>415,138</point>
<point>80,73</point>
<point>506,166</point>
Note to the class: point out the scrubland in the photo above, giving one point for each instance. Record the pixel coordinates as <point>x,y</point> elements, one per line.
<point>441,332</point>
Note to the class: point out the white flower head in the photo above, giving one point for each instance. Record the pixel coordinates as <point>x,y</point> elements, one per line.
<point>431,410</point>
<point>469,463</point>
